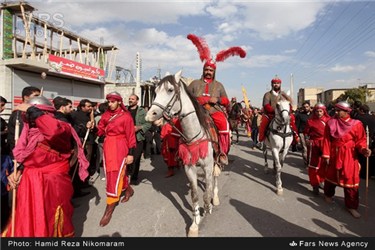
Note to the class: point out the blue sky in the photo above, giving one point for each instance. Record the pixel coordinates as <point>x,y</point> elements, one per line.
<point>329,44</point>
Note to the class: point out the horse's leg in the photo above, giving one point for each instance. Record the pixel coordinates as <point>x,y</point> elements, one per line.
<point>264,150</point>
<point>215,199</point>
<point>207,196</point>
<point>191,173</point>
<point>238,134</point>
<point>276,159</point>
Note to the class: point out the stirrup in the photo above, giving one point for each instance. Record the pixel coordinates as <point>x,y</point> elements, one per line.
<point>223,159</point>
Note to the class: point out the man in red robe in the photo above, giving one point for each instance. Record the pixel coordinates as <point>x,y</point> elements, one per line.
<point>314,131</point>
<point>344,139</point>
<point>43,205</point>
<point>116,124</point>
<point>169,146</point>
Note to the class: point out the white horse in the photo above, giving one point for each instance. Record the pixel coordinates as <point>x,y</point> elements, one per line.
<point>173,100</point>
<point>278,139</point>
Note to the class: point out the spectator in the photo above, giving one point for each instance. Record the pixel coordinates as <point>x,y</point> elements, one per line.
<point>141,126</point>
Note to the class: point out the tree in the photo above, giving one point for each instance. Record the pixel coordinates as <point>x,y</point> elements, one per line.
<point>353,95</point>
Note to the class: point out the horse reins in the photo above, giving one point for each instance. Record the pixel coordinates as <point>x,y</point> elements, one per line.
<point>168,116</point>
<point>279,123</point>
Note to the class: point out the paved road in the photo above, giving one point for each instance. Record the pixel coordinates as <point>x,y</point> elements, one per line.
<point>249,205</point>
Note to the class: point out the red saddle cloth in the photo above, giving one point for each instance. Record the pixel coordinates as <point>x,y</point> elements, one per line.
<point>189,153</point>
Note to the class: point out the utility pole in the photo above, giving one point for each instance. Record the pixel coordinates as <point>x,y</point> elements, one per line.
<point>291,86</point>
<point>138,76</point>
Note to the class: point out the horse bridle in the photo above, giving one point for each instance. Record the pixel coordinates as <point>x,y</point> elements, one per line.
<point>168,115</point>
<point>279,124</point>
<point>277,120</point>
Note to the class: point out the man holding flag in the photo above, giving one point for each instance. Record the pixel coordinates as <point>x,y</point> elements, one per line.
<point>246,112</point>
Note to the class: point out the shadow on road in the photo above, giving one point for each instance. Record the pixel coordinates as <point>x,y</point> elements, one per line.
<point>81,207</point>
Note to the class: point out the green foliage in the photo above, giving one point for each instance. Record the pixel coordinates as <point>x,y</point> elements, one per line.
<point>355,94</point>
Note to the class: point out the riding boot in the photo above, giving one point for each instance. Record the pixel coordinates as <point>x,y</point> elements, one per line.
<point>224,148</point>
<point>107,214</point>
<point>262,128</point>
<point>223,159</point>
<point>129,192</point>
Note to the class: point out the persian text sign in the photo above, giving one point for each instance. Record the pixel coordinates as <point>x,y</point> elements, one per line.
<point>69,67</point>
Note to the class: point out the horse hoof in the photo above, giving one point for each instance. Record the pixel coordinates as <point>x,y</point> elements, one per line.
<point>193,232</point>
<point>216,201</point>
<point>279,191</point>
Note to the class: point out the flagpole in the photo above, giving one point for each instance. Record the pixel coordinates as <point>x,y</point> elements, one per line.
<point>367,169</point>
<point>247,105</point>
<point>14,191</point>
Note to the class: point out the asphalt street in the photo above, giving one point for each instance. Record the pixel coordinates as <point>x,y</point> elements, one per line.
<point>161,207</point>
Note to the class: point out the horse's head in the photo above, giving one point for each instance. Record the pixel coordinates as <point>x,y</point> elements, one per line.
<point>167,102</point>
<point>282,111</point>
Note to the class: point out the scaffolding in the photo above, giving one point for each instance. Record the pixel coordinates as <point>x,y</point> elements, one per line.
<point>28,37</point>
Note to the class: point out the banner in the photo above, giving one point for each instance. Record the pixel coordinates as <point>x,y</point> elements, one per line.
<point>73,68</point>
<point>247,110</point>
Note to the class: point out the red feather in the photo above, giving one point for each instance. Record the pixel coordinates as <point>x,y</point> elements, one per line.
<point>232,51</point>
<point>203,49</point>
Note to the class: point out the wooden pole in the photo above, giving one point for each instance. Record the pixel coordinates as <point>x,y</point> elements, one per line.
<point>367,169</point>
<point>92,119</point>
<point>16,137</point>
<point>367,158</point>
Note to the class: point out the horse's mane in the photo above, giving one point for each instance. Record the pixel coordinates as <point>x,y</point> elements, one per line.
<point>284,97</point>
<point>198,108</point>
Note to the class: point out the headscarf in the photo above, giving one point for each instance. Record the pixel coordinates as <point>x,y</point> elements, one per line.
<point>115,96</point>
<point>322,107</point>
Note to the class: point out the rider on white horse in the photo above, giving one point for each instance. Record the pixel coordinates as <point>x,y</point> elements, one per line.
<point>211,94</point>
<point>269,103</point>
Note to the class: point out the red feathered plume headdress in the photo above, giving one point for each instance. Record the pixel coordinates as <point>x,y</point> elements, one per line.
<point>205,54</point>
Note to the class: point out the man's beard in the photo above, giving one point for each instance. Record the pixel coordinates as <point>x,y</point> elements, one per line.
<point>276,88</point>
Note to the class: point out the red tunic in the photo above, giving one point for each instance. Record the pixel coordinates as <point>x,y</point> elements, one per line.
<point>342,149</point>
<point>118,128</point>
<point>43,205</point>
<point>170,144</point>
<point>315,130</point>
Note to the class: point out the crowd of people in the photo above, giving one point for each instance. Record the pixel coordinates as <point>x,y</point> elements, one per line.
<point>58,150</point>
<point>334,141</point>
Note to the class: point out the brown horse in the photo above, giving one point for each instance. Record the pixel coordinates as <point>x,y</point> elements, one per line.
<point>234,117</point>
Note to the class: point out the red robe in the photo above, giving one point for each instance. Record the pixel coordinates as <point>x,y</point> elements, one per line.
<point>341,145</point>
<point>43,201</point>
<point>170,144</point>
<point>118,128</point>
<point>314,128</point>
